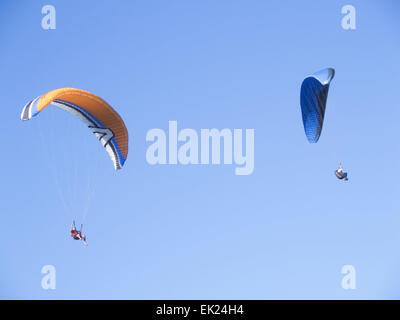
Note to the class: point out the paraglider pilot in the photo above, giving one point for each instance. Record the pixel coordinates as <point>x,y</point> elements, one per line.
<point>77,235</point>
<point>340,174</point>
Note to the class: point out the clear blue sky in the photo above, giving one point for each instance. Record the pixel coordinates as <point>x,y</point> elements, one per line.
<point>194,232</point>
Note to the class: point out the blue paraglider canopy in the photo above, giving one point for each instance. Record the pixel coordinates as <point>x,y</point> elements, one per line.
<point>313,97</point>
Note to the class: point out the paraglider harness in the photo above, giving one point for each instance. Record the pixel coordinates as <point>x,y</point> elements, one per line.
<point>77,235</point>
<point>340,174</point>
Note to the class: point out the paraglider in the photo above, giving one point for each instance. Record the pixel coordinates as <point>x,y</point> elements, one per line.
<point>97,114</point>
<point>104,122</point>
<point>77,235</point>
<point>313,98</point>
<point>340,174</point>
